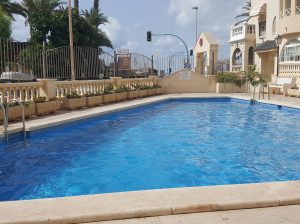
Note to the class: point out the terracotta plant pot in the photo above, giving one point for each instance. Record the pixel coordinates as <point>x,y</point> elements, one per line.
<point>133,94</point>
<point>48,107</point>
<point>15,113</point>
<point>92,101</point>
<point>122,96</point>
<point>110,98</point>
<point>72,104</point>
<point>151,92</point>
<point>144,93</point>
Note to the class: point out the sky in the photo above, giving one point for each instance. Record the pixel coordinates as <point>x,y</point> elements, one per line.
<point>131,19</point>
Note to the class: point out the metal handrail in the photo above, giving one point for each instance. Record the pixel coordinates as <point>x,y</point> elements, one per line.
<point>5,122</point>
<point>23,114</point>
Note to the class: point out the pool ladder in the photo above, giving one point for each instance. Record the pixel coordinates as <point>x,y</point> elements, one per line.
<point>5,118</point>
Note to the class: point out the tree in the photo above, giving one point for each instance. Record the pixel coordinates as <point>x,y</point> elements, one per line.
<point>5,24</point>
<point>246,13</point>
<point>94,17</point>
<point>12,8</point>
<point>76,4</point>
<point>96,4</point>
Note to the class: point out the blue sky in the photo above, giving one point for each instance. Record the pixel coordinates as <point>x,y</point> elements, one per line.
<point>131,19</point>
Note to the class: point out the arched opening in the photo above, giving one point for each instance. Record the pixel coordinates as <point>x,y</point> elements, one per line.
<point>274,25</point>
<point>251,56</point>
<point>291,51</point>
<point>288,7</point>
<point>237,57</point>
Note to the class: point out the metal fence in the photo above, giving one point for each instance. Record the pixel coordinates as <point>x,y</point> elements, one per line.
<point>24,60</point>
<point>168,64</point>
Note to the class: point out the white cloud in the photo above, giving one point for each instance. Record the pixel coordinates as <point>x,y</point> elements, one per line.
<point>20,32</point>
<point>113,29</point>
<point>182,9</point>
<point>131,45</point>
<point>164,41</point>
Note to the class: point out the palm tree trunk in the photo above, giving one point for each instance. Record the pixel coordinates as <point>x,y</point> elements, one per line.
<point>96,4</point>
<point>76,4</point>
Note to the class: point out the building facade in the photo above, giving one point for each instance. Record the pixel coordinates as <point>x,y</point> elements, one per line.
<point>253,42</point>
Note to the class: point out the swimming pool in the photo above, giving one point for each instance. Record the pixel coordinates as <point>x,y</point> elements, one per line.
<point>174,143</point>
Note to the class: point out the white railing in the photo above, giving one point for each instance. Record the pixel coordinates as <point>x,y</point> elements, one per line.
<point>288,12</point>
<point>132,83</point>
<point>289,68</point>
<point>81,87</point>
<point>281,15</point>
<point>236,68</point>
<point>241,31</point>
<point>23,91</point>
<point>298,10</point>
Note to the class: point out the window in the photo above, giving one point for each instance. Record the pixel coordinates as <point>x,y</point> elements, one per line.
<point>251,56</point>
<point>262,29</point>
<point>291,51</point>
<point>288,7</point>
<point>298,7</point>
<point>274,25</point>
<point>237,57</point>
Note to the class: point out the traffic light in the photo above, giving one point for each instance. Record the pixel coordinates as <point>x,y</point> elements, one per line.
<point>149,36</point>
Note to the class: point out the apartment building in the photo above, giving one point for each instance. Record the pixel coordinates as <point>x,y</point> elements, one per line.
<point>269,40</point>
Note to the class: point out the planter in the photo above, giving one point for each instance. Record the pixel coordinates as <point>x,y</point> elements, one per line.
<point>110,98</point>
<point>15,113</point>
<point>122,96</point>
<point>47,107</point>
<point>151,92</point>
<point>159,91</point>
<point>92,101</point>
<point>72,104</point>
<point>133,94</point>
<point>144,93</point>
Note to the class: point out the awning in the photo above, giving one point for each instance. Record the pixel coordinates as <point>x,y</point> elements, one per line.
<point>266,46</point>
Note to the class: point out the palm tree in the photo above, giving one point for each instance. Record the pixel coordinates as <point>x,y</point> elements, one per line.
<point>76,4</point>
<point>96,4</point>
<point>11,8</point>
<point>94,17</point>
<point>246,13</point>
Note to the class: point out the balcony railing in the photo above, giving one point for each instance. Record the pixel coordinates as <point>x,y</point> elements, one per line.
<point>298,10</point>
<point>288,12</point>
<point>281,15</point>
<point>236,68</point>
<point>242,31</point>
<point>289,68</point>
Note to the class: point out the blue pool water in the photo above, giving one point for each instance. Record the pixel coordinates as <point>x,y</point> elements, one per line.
<point>176,143</point>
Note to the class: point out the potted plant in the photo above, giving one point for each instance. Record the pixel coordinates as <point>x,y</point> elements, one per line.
<point>134,92</point>
<point>15,112</point>
<point>143,90</point>
<point>94,99</point>
<point>46,106</point>
<point>109,94</point>
<point>122,93</point>
<point>73,101</point>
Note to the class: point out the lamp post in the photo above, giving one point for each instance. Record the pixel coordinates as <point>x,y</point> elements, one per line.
<point>196,9</point>
<point>73,76</point>
<point>278,41</point>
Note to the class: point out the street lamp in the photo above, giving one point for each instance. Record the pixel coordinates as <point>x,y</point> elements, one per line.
<point>71,43</point>
<point>196,9</point>
<point>278,41</point>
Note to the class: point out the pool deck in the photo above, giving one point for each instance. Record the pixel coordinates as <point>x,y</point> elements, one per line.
<point>264,203</point>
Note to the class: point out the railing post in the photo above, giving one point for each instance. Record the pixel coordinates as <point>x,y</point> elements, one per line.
<point>44,59</point>
<point>48,88</point>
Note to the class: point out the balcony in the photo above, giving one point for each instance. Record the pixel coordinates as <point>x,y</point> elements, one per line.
<point>289,20</point>
<point>289,69</point>
<point>242,31</point>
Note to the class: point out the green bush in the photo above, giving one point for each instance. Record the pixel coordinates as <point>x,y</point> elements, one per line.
<point>73,95</point>
<point>230,77</point>
<point>122,89</point>
<point>109,89</point>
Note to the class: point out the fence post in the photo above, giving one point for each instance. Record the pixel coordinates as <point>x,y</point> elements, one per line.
<point>48,88</point>
<point>117,82</point>
<point>152,65</point>
<point>44,59</point>
<point>115,64</point>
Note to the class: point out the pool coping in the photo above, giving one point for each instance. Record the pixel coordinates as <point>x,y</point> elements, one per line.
<point>102,207</point>
<point>139,204</point>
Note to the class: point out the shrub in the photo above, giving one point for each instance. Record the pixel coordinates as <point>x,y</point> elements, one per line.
<point>122,89</point>
<point>230,77</point>
<point>73,95</point>
<point>40,99</point>
<point>109,89</point>
<point>90,94</point>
